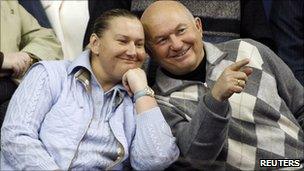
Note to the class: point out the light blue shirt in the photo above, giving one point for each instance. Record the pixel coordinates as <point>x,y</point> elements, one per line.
<point>59,116</point>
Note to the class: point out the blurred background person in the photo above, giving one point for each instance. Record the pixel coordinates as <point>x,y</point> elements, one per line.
<point>34,7</point>
<point>287,24</point>
<point>70,20</point>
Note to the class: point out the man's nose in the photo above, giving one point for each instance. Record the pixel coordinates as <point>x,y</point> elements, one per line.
<point>176,43</point>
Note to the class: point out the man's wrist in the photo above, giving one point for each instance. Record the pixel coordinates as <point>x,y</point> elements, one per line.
<point>6,63</point>
<point>218,107</point>
<point>33,57</point>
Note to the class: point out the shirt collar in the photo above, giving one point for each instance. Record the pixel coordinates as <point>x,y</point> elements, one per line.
<point>212,53</point>
<point>81,66</point>
<point>83,61</point>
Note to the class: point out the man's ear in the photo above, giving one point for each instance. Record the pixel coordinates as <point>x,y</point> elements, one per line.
<point>94,44</point>
<point>198,25</point>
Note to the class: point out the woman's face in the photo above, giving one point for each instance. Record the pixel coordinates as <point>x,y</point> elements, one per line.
<point>120,47</point>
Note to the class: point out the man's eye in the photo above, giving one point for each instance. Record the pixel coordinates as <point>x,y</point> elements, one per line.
<point>161,41</point>
<point>182,30</point>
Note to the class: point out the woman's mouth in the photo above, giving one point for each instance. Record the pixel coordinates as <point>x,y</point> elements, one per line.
<point>129,59</point>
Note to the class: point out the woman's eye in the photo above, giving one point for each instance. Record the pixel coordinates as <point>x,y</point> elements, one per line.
<point>140,45</point>
<point>123,41</point>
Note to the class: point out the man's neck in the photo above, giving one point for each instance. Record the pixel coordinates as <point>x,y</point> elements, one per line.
<point>199,74</point>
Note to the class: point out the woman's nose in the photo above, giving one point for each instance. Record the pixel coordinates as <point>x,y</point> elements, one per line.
<point>131,51</point>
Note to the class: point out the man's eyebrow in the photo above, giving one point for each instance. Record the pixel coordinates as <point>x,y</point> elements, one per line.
<point>180,25</point>
<point>165,34</point>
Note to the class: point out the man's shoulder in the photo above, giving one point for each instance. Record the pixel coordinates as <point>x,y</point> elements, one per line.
<point>238,49</point>
<point>236,42</point>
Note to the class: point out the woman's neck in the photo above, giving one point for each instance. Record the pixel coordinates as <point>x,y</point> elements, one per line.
<point>103,79</point>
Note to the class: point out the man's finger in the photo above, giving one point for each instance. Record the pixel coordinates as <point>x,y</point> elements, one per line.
<point>247,70</point>
<point>238,65</point>
<point>239,75</point>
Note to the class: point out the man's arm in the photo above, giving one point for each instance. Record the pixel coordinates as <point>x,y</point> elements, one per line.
<point>289,88</point>
<point>20,144</point>
<point>40,43</point>
<point>200,139</point>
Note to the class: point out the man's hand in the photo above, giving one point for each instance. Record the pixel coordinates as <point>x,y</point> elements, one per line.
<point>19,62</point>
<point>134,80</point>
<point>232,80</point>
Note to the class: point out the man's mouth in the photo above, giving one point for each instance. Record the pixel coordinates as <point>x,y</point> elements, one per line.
<point>181,53</point>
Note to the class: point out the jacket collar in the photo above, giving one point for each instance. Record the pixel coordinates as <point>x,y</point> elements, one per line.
<point>82,70</point>
<point>167,84</point>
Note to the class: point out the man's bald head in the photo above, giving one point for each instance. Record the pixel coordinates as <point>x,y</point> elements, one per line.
<point>161,7</point>
<point>157,10</point>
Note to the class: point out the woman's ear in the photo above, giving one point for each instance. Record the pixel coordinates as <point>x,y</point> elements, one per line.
<point>94,44</point>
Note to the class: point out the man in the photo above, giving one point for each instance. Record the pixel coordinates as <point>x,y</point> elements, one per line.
<point>196,80</point>
<point>225,19</point>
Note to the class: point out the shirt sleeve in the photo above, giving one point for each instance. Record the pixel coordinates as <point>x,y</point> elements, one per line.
<point>21,146</point>
<point>153,147</point>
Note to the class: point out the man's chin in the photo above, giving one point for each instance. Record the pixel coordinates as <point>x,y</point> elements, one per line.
<point>178,70</point>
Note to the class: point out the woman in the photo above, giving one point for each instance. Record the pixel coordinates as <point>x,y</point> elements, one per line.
<point>78,115</point>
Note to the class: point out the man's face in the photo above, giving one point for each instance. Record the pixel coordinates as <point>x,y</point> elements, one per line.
<point>121,47</point>
<point>175,41</point>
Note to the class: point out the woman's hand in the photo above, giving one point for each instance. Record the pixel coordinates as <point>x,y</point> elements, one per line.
<point>134,80</point>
